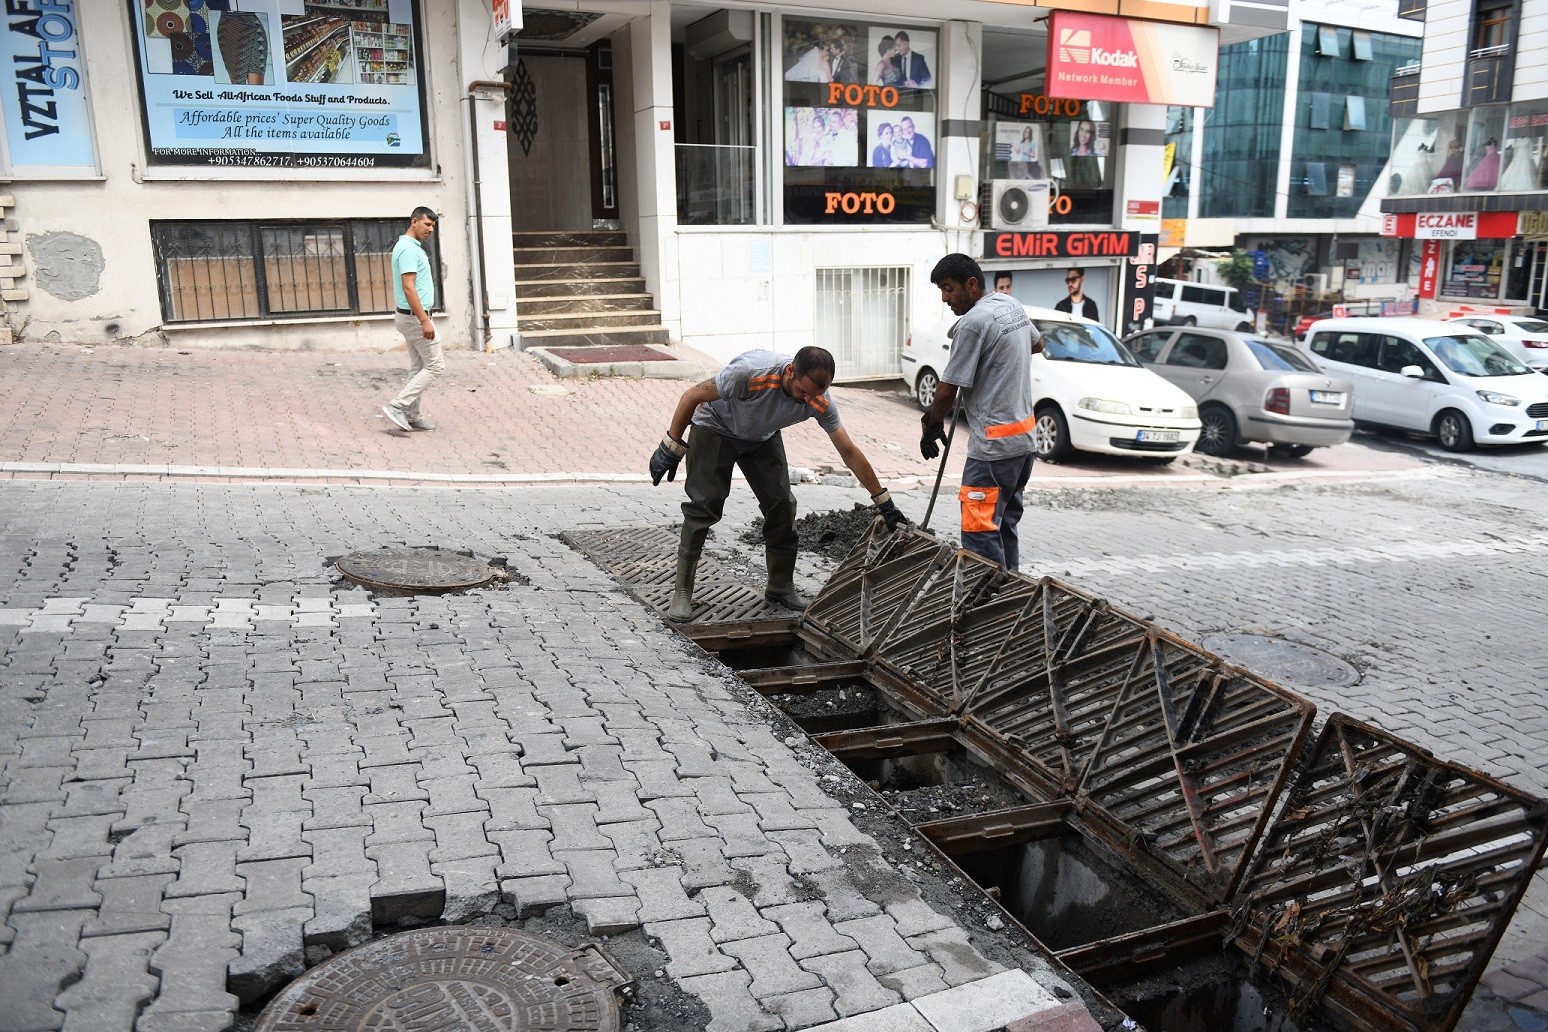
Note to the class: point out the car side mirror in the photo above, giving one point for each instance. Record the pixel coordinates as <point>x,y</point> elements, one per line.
<point>1413,372</point>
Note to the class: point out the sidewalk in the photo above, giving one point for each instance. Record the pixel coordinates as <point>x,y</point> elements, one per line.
<point>136,413</point>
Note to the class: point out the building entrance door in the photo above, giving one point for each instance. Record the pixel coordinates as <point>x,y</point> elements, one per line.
<point>561,142</point>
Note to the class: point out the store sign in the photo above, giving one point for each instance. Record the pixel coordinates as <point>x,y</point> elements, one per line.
<point>1149,211</point>
<point>1534,224</point>
<point>1093,244</point>
<point>1051,107</point>
<point>47,121</point>
<point>1139,286</point>
<point>1429,268</point>
<point>321,86</point>
<point>507,17</point>
<point>1097,57</point>
<point>1446,225</point>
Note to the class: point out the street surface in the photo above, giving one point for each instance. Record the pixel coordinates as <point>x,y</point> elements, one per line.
<point>214,753</point>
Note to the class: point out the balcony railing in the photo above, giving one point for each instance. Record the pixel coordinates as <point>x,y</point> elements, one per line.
<point>1403,93</point>
<point>715,184</point>
<point>1490,71</point>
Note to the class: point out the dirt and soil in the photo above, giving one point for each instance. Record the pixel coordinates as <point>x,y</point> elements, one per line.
<point>830,534</point>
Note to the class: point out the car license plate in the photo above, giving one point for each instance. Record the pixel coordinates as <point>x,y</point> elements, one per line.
<point>1327,397</point>
<point>1159,436</point>
<point>1542,424</point>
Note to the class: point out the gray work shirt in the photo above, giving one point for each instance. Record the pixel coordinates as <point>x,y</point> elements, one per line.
<point>752,407</point>
<point>991,363</point>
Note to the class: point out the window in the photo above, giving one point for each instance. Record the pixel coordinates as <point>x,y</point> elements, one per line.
<point>1147,346</point>
<point>220,271</point>
<point>1354,112</point>
<point>1279,358</point>
<point>1195,294</point>
<point>1396,353</point>
<point>861,315</point>
<point>1350,348</point>
<point>1491,25</point>
<point>1321,110</point>
<point>854,154</point>
<point>1196,351</point>
<point>1316,179</point>
<point>1362,46</point>
<point>1328,42</point>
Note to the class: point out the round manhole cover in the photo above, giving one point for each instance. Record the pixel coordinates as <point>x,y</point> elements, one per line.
<point>1283,661</point>
<point>416,569</point>
<point>452,978</point>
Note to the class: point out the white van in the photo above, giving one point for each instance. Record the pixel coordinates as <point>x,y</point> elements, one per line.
<point>1433,378</point>
<point>1183,303</point>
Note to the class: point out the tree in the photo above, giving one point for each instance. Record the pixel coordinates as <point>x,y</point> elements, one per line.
<point>1236,270</point>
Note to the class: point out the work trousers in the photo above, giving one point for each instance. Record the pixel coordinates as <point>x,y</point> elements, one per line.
<point>426,363</point>
<point>711,458</point>
<point>991,498</point>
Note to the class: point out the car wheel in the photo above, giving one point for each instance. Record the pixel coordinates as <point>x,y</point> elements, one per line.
<point>1244,327</point>
<point>1188,320</point>
<point>1292,451</point>
<point>1051,435</point>
<point>1454,431</point>
<point>1217,436</point>
<point>925,387</point>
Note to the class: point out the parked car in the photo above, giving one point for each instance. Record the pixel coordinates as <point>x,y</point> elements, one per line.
<point>1304,323</point>
<point>1434,378</point>
<point>1185,303</point>
<point>1249,389</point>
<point>1522,335</point>
<point>1089,393</point>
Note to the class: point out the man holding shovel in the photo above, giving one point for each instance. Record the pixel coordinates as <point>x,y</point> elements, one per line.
<point>990,367</point>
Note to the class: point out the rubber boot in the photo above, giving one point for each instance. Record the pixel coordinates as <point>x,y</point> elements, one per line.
<point>781,586</point>
<point>681,609</point>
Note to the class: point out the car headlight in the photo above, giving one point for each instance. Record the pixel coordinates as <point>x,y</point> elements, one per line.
<point>1498,399</point>
<point>1189,412</point>
<point>1116,408</point>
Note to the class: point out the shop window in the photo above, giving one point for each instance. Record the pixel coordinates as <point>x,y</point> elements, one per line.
<point>1071,146</point>
<point>861,316</point>
<point>223,271</point>
<point>1362,46</point>
<point>1525,154</point>
<point>1474,269</point>
<point>1354,113</point>
<point>859,128</point>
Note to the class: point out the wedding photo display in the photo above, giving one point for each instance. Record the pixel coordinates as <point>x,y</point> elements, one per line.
<point>894,127</point>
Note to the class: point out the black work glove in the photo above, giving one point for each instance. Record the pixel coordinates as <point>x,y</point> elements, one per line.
<point>933,432</point>
<point>664,462</point>
<point>890,511</point>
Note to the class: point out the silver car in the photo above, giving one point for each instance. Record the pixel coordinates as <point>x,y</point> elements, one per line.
<point>1249,389</point>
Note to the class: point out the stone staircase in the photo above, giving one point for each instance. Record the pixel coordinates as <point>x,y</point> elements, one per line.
<point>582,289</point>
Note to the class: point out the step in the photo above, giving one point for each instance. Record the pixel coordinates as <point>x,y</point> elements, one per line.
<point>558,304</point>
<point>573,271</point>
<point>620,359</point>
<point>612,335</point>
<point>587,320</point>
<point>526,256</point>
<point>576,238</point>
<point>577,287</point>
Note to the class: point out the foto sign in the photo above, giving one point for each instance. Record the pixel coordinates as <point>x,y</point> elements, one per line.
<point>1446,225</point>
<point>1097,57</point>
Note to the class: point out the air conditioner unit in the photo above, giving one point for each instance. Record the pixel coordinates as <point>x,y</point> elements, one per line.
<point>1018,204</point>
<point>718,33</point>
<point>1316,282</point>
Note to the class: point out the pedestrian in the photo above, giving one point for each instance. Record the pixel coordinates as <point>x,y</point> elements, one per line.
<point>737,419</point>
<point>1075,280</point>
<point>413,287</point>
<point>1002,283</point>
<point>992,346</point>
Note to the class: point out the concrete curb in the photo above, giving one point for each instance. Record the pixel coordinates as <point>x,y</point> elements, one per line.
<point>671,369</point>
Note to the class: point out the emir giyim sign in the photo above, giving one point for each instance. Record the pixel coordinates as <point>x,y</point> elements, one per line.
<point>47,118</point>
<point>1097,57</point>
<point>292,84</point>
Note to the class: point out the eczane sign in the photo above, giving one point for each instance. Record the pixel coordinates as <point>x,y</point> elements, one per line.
<point>1446,225</point>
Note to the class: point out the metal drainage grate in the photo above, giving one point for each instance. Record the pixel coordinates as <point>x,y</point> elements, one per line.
<point>645,560</point>
<point>445,978</point>
<point>1300,666</point>
<point>421,570</point>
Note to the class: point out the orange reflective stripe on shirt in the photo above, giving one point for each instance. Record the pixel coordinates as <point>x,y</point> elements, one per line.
<point>1016,429</point>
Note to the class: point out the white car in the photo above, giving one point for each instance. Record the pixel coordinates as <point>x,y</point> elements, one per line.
<point>1435,378</point>
<point>1088,392</point>
<point>1521,335</point>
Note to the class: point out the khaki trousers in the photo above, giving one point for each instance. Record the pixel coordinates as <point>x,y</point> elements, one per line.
<point>426,363</point>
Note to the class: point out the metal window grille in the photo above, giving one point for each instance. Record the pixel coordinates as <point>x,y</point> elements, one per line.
<point>862,317</point>
<point>230,271</point>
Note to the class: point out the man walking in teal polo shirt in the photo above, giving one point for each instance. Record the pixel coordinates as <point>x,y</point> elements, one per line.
<point>413,287</point>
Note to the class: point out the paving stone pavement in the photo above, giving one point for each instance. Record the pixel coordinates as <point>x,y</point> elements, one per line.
<point>217,764</point>
<point>221,765</point>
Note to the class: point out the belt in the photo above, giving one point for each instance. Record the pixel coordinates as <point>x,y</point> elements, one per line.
<point>405,311</point>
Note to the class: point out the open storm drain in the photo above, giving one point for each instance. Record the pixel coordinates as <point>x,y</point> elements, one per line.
<point>1284,661</point>
<point>445,978</point>
<point>425,570</point>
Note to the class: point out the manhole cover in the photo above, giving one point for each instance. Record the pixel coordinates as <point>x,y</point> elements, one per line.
<point>452,978</point>
<point>1283,661</point>
<point>416,569</point>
